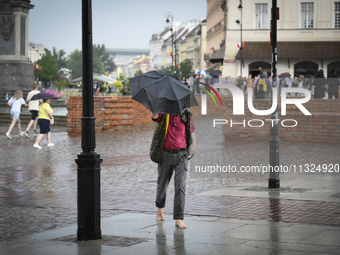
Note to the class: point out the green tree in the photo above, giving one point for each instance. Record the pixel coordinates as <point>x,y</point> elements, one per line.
<point>139,72</point>
<point>104,57</point>
<point>60,57</point>
<point>165,69</point>
<point>186,67</point>
<point>126,84</point>
<point>61,83</point>
<point>49,68</point>
<point>75,63</point>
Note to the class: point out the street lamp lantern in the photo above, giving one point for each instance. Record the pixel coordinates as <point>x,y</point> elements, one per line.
<point>240,7</point>
<point>169,18</point>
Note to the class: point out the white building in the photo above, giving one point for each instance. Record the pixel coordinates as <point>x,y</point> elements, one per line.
<point>35,51</point>
<point>156,44</point>
<point>308,35</point>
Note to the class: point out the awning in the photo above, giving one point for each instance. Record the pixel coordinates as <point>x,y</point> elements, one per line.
<point>213,67</point>
<point>263,50</point>
<point>100,77</point>
<point>218,56</point>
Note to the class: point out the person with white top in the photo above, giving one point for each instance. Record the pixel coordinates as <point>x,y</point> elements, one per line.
<point>15,102</point>
<point>33,106</point>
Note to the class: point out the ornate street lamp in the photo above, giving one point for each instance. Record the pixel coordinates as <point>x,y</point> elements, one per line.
<point>169,18</point>
<point>240,23</point>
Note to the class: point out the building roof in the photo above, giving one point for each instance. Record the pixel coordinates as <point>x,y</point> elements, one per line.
<point>291,50</point>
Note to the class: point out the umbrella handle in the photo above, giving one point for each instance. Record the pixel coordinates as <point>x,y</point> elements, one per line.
<point>191,156</point>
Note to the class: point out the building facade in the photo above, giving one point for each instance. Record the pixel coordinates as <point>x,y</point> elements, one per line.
<point>308,36</point>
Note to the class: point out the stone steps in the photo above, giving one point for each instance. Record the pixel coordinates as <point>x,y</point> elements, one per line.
<point>5,119</point>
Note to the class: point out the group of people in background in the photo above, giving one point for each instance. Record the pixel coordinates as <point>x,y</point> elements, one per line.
<point>41,113</point>
<point>319,85</point>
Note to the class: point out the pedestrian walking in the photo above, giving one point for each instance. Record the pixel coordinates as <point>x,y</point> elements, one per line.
<point>333,85</point>
<point>249,84</point>
<point>44,120</point>
<point>263,87</point>
<point>96,87</point>
<point>33,107</point>
<point>15,103</point>
<point>174,159</point>
<point>191,83</point>
<point>320,84</point>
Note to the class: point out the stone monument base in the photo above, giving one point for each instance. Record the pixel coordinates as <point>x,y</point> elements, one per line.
<point>15,75</point>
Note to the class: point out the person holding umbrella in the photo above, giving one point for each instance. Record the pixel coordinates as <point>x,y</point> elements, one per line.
<point>174,139</point>
<point>44,120</point>
<point>45,116</point>
<point>174,159</point>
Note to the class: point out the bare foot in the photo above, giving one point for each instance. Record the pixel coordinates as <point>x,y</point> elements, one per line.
<point>160,215</point>
<point>180,224</point>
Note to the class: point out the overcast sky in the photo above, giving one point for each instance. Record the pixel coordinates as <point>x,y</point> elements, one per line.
<point>117,24</point>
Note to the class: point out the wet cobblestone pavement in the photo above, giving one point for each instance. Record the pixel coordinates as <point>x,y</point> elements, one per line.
<point>38,187</point>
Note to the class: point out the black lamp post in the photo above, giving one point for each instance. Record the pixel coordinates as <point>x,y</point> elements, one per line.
<point>274,178</point>
<point>88,161</point>
<point>169,18</point>
<point>240,22</point>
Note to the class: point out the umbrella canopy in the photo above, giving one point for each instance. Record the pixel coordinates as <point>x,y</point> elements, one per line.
<point>285,74</point>
<point>162,93</point>
<point>202,72</point>
<point>104,78</point>
<point>215,73</point>
<point>100,77</point>
<point>46,94</point>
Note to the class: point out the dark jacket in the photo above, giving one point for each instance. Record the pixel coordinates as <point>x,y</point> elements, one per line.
<point>319,90</point>
<point>333,82</point>
<point>269,86</point>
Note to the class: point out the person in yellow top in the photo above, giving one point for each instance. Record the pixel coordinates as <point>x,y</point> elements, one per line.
<point>45,114</point>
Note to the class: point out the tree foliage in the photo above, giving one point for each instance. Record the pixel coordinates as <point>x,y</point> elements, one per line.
<point>60,57</point>
<point>104,57</point>
<point>75,63</point>
<point>167,69</point>
<point>139,72</point>
<point>49,67</point>
<point>186,68</point>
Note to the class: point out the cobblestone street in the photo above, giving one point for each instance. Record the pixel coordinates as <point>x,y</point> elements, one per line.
<point>38,187</point>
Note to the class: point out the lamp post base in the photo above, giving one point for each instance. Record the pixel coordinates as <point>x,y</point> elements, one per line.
<point>273,183</point>
<point>88,176</point>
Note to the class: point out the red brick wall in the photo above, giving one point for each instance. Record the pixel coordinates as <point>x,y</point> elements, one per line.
<point>111,113</point>
<point>323,126</point>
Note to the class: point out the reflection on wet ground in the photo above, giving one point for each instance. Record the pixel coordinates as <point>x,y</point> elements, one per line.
<point>38,187</point>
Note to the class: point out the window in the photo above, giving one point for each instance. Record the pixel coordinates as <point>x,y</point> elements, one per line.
<point>261,14</point>
<point>337,14</point>
<point>307,15</point>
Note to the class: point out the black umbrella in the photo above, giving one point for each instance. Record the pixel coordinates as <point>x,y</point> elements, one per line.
<point>284,75</point>
<point>46,94</point>
<point>161,93</point>
<point>215,73</point>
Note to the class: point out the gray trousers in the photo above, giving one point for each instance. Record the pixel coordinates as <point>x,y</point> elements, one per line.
<point>177,162</point>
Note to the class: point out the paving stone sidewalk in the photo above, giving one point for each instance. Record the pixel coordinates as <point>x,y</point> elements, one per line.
<point>38,187</point>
